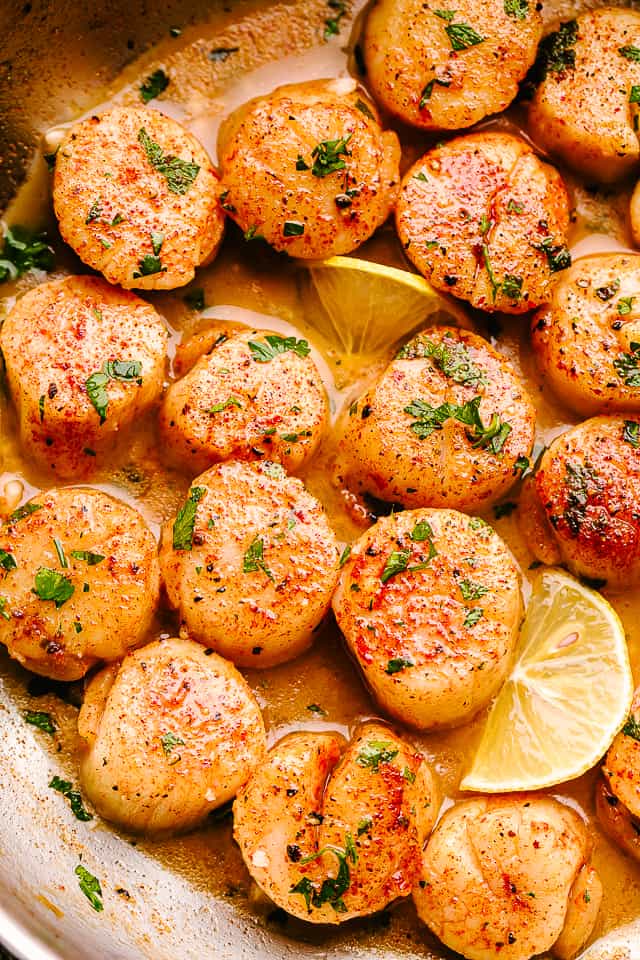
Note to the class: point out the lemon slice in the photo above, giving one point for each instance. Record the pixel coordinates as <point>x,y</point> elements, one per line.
<point>567,696</point>
<point>365,306</point>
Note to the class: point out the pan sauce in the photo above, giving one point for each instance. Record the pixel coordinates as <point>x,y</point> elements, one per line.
<point>243,282</point>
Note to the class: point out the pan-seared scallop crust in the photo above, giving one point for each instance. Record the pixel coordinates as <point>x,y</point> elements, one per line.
<point>618,795</point>
<point>170,733</point>
<point>309,169</point>
<point>447,69</point>
<point>79,581</point>
<point>585,110</point>
<point>429,603</point>
<point>634,214</point>
<point>136,196</point>
<point>587,488</point>
<point>509,877</point>
<point>56,342</point>
<point>584,338</point>
<point>409,439</point>
<point>256,395</point>
<point>483,218</point>
<point>331,837</point>
<point>252,571</point>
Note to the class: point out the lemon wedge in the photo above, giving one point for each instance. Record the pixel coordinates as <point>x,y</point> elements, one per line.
<point>568,694</point>
<point>364,306</point>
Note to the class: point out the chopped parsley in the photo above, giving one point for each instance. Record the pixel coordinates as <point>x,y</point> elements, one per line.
<point>557,254</point>
<point>52,585</point>
<point>630,53</point>
<point>95,211</point>
<point>447,15</point>
<point>62,560</point>
<point>90,886</point>
<point>179,174</point>
<point>344,556</point>
<point>631,433</point>
<point>450,356</point>
<point>316,708</point>
<point>634,93</point>
<point>332,888</point>
<point>397,664</point>
<point>425,96</point>
<point>169,742</point>
<point>153,86</point>
<point>428,419</point>
<point>24,511</point>
<point>124,371</point>
<point>625,305</point>
<point>7,560</point>
<point>556,52</point>
<point>462,36</point>
<point>517,9</point>
<point>578,478</point>
<point>627,367</point>
<point>512,286</point>
<point>293,228</point>
<point>225,404</point>
<point>471,590</point>
<point>23,251</point>
<point>364,825</point>
<point>472,617</point>
<point>327,156</point>
<point>91,558</point>
<point>332,24</point>
<point>149,265</point>
<point>253,559</point>
<point>397,562</point>
<point>375,752</point>
<point>185,520</point>
<point>73,796</point>
<point>43,721</point>
<point>632,728</point>
<point>264,352</point>
<point>364,108</point>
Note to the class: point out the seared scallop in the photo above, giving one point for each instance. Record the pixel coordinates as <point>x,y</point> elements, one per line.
<point>443,69</point>
<point>136,196</point>
<point>250,563</point>
<point>509,877</point>
<point>79,581</point>
<point>583,505</point>
<point>170,734</point>
<point>429,603</point>
<point>586,107</point>
<point>84,361</point>
<point>618,792</point>
<point>330,837</point>
<point>634,214</point>
<point>484,218</point>
<point>587,339</point>
<point>256,395</point>
<point>448,424</point>
<point>308,168</point>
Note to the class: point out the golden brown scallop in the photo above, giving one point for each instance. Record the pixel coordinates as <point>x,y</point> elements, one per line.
<point>499,878</point>
<point>483,218</point>
<point>308,168</point>
<point>585,337</point>
<point>586,108</point>
<point>329,838</point>
<point>583,506</point>
<point>84,361</point>
<point>443,69</point>
<point>136,196</point>
<point>250,563</point>
<point>79,581</point>
<point>255,395</point>
<point>170,734</point>
<point>429,603</point>
<point>448,424</point>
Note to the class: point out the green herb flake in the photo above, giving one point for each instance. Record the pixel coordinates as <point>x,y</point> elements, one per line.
<point>125,371</point>
<point>185,520</point>
<point>179,174</point>
<point>344,556</point>
<point>293,228</point>
<point>397,664</point>
<point>634,93</point>
<point>327,156</point>
<point>450,356</point>
<point>169,742</point>
<point>408,775</point>
<point>471,590</point>
<point>447,15</point>
<point>364,825</point>
<point>375,752</point>
<point>95,211</point>
<point>225,404</point>
<point>556,52</point>
<point>578,480</point>
<point>43,721</point>
<point>73,796</point>
<point>153,86</point>
<point>462,36</point>
<point>557,254</point>
<point>253,559</point>
<point>332,888</point>
<point>630,53</point>
<point>62,560</point>
<point>91,888</point>
<point>92,559</point>
<point>7,561</point>
<point>631,433</point>
<point>627,366</point>
<point>397,562</point>
<point>52,585</point>
<point>518,9</point>
<point>316,709</point>
<point>22,251</point>
<point>472,617</point>
<point>365,109</point>
<point>625,305</point>
<point>632,728</point>
<point>275,345</point>
<point>301,163</point>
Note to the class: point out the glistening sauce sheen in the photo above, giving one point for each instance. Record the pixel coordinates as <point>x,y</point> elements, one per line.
<point>249,284</point>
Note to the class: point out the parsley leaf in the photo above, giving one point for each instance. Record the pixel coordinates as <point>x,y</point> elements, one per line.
<point>7,560</point>
<point>149,265</point>
<point>557,254</point>
<point>556,53</point>
<point>517,9</point>
<point>264,352</point>
<point>293,228</point>
<point>179,174</point>
<point>185,520</point>
<point>447,15</point>
<point>23,251</point>
<point>153,86</point>
<point>96,385</point>
<point>632,728</point>
<point>627,367</point>
<point>43,721</point>
<point>492,436</point>
<point>225,404</point>
<point>471,590</point>
<point>397,664</point>
<point>254,559</point>
<point>169,742</point>
<point>631,433</point>
<point>327,156</point>
<point>625,305</point>
<point>630,52</point>
<point>344,556</point>
<point>462,36</point>
<point>450,356</point>
<point>24,511</point>
<point>52,585</point>
<point>634,93</point>
<point>472,617</point>
<point>332,888</point>
<point>397,562</point>
<point>73,796</point>
<point>90,886</point>
<point>578,478</point>
<point>375,752</point>
<point>91,558</point>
